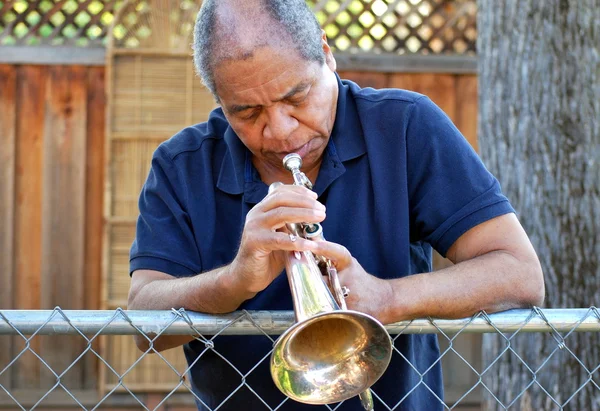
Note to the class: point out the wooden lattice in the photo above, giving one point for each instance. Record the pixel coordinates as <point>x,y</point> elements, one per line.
<point>155,24</point>
<point>382,26</point>
<point>56,22</point>
<point>399,26</point>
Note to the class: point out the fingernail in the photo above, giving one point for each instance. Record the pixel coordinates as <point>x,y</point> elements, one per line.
<point>320,206</point>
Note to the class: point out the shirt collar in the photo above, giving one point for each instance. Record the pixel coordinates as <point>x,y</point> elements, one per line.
<point>231,176</point>
<point>238,175</point>
<point>347,134</point>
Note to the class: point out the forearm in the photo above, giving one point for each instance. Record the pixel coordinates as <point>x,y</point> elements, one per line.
<point>212,292</point>
<point>495,281</point>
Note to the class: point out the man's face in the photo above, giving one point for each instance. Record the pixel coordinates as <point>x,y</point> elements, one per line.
<point>278,103</point>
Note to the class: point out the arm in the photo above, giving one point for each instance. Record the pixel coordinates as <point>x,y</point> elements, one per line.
<point>214,292</point>
<point>258,261</point>
<point>496,268</point>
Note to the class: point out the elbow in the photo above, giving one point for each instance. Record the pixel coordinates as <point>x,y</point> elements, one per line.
<point>538,293</point>
<point>145,343</point>
<point>149,343</point>
<point>142,343</point>
<point>533,287</point>
<point>524,285</point>
<point>134,289</point>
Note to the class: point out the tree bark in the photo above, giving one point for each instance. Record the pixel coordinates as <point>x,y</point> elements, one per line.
<point>539,133</point>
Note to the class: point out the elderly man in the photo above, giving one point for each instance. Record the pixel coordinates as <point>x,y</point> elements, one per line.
<point>392,178</point>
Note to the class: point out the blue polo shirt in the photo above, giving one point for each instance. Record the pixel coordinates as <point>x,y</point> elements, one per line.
<point>397,179</point>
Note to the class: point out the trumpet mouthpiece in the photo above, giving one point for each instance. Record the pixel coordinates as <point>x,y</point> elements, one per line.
<point>292,162</point>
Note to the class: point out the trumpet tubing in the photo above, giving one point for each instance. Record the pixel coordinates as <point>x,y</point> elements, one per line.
<point>331,353</point>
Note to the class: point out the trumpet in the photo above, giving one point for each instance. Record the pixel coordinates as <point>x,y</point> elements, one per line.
<point>331,353</point>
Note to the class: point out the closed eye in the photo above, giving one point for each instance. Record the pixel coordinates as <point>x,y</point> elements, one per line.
<point>298,98</point>
<point>296,101</point>
<point>249,114</point>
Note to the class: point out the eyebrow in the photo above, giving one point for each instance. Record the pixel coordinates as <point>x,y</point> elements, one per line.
<point>237,108</point>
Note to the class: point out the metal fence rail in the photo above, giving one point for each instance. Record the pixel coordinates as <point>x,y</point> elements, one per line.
<point>554,325</point>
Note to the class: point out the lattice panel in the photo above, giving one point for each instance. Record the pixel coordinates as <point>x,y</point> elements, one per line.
<point>381,26</point>
<point>56,22</point>
<point>399,26</point>
<point>166,24</point>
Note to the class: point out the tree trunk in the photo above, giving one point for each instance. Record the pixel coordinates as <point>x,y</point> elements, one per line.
<point>539,133</point>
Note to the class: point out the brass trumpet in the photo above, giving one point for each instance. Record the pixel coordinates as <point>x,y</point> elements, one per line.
<point>331,353</point>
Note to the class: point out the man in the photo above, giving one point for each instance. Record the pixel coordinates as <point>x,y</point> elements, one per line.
<point>392,178</point>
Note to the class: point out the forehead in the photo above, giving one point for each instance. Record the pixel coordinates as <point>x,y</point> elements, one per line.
<point>265,72</point>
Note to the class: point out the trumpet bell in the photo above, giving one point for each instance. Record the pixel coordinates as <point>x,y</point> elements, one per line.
<point>330,357</point>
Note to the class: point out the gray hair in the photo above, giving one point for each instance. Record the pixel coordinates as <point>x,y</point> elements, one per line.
<point>293,16</point>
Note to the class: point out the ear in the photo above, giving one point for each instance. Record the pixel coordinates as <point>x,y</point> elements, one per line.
<point>329,59</point>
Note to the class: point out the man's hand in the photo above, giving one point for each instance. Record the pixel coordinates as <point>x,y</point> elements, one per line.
<point>260,258</point>
<point>367,293</point>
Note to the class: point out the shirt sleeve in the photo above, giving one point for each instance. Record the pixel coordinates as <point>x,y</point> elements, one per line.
<point>164,239</point>
<point>450,190</point>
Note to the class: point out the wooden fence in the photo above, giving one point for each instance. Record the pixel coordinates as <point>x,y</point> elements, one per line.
<point>51,165</point>
<point>52,161</point>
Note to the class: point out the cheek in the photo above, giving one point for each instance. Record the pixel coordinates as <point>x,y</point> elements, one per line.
<point>322,109</point>
<point>317,118</point>
<point>251,135</point>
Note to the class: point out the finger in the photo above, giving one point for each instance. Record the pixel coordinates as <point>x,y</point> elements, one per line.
<point>292,201</point>
<point>281,216</point>
<point>337,253</point>
<point>277,240</point>
<point>292,188</point>
<point>289,198</point>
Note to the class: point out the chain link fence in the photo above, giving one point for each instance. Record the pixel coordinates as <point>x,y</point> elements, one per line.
<point>21,330</point>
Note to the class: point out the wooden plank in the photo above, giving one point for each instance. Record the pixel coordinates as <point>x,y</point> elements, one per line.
<point>406,63</point>
<point>367,79</point>
<point>31,86</point>
<point>92,56</point>
<point>117,401</point>
<point>63,226</point>
<point>362,62</point>
<point>440,88</point>
<point>109,80</point>
<point>96,101</point>
<point>8,101</point>
<point>467,100</point>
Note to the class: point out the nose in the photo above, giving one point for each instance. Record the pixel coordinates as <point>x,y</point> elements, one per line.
<point>280,123</point>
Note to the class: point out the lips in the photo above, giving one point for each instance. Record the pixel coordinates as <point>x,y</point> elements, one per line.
<point>302,151</point>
